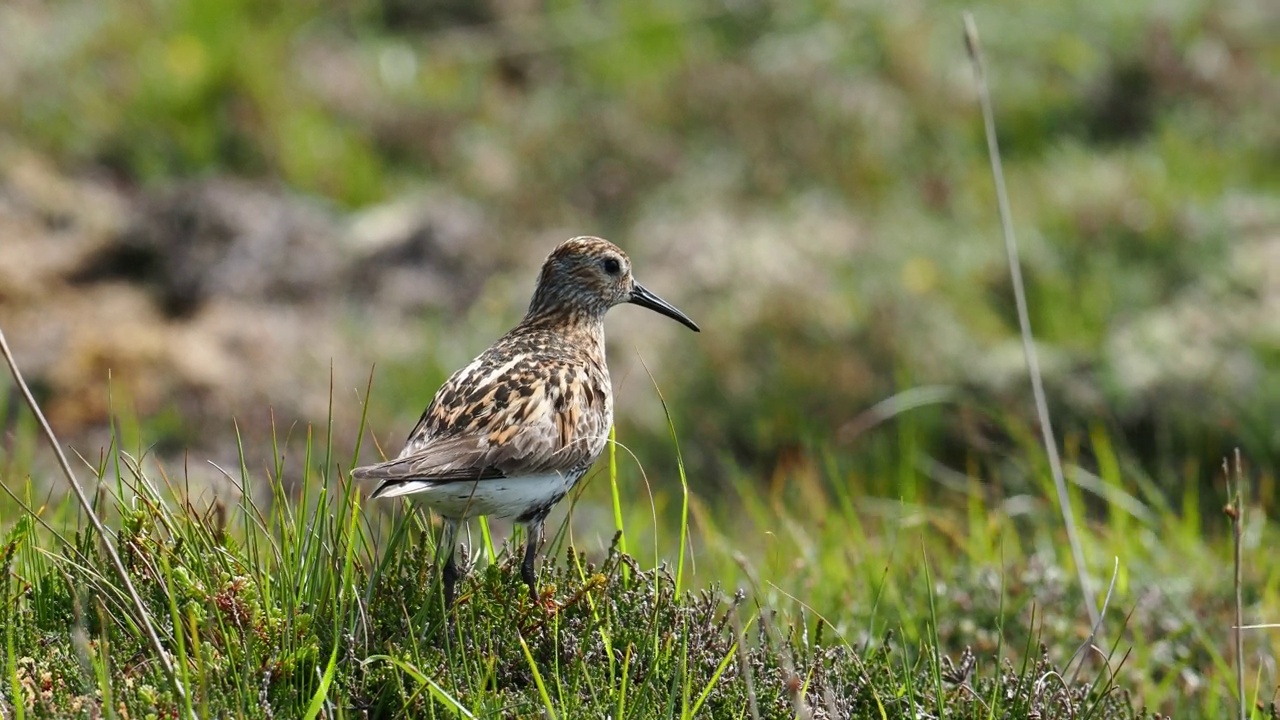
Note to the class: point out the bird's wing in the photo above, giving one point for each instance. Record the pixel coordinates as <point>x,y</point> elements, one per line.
<point>503,429</point>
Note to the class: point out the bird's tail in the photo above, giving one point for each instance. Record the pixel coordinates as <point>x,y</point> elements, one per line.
<point>396,488</point>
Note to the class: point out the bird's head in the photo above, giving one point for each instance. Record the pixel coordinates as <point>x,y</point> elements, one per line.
<point>589,275</point>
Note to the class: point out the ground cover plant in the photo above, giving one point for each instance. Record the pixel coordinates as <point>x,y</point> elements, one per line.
<point>290,605</point>
<point>797,604</point>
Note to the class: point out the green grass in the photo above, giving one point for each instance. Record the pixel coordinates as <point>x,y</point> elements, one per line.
<point>805,596</point>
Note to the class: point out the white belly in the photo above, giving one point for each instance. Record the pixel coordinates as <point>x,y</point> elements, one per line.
<point>504,497</point>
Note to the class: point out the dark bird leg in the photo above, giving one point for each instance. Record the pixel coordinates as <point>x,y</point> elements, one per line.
<point>449,576</point>
<point>533,531</point>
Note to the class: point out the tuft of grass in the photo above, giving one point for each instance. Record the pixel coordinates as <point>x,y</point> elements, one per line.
<point>304,603</point>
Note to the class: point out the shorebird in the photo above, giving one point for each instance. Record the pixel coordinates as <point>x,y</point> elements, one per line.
<point>511,433</point>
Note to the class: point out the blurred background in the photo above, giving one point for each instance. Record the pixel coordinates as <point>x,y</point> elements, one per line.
<point>218,209</point>
<point>222,220</point>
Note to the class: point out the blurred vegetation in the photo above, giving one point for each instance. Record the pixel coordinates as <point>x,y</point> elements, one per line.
<point>778,140</point>
<point>809,180</point>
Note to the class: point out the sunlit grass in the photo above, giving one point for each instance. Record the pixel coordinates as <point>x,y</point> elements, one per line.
<point>307,603</point>
<point>996,570</point>
<point>292,596</point>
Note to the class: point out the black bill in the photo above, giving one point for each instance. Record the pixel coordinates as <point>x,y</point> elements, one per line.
<point>642,297</point>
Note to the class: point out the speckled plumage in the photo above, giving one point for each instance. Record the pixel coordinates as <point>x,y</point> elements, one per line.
<point>512,432</point>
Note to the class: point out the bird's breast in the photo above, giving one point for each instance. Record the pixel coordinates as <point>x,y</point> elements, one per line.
<point>583,407</point>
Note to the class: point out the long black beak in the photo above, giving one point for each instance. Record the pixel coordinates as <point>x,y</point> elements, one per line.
<point>642,297</point>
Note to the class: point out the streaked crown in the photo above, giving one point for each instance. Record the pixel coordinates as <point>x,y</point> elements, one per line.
<point>584,277</point>
<point>583,274</point>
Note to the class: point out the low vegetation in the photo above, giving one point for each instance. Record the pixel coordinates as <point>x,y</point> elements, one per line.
<point>312,605</point>
<point>796,601</point>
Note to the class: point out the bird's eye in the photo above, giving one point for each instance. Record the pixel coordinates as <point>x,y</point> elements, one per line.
<point>612,266</point>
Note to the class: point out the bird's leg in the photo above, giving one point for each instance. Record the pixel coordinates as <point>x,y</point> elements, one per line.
<point>449,576</point>
<point>533,530</point>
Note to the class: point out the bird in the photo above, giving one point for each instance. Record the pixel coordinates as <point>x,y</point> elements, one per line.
<point>509,434</point>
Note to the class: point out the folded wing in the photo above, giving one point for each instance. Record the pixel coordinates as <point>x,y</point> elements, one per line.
<point>554,428</point>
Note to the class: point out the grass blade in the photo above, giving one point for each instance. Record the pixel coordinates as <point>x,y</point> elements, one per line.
<point>144,617</point>
<point>974,46</point>
<point>537,680</point>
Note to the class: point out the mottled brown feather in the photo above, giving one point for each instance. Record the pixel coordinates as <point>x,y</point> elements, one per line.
<point>538,401</point>
<point>556,415</point>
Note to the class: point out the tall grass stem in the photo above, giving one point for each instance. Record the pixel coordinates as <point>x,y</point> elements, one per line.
<point>974,48</point>
<point>1235,510</point>
<point>143,617</point>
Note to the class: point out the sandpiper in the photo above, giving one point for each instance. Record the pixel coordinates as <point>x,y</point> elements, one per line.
<point>509,434</point>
